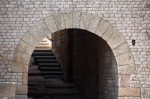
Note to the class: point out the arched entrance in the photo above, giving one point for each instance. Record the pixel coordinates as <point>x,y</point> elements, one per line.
<point>85,21</point>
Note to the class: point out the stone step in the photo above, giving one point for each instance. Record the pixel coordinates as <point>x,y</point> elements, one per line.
<point>42,54</point>
<point>50,68</point>
<point>46,60</point>
<point>44,57</point>
<point>52,76</point>
<point>49,64</point>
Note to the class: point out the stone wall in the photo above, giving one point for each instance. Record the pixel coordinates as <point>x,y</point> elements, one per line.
<point>130,18</point>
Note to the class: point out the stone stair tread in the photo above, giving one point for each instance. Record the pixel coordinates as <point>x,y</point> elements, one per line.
<point>50,68</point>
<point>54,64</point>
<point>62,91</point>
<point>46,60</point>
<point>52,72</point>
<point>53,76</point>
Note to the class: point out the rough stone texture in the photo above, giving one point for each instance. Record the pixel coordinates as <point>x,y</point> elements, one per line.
<point>21,89</point>
<point>76,19</point>
<point>102,27</point>
<point>7,89</point>
<point>116,40</point>
<point>68,19</point>
<point>129,92</point>
<point>50,22</point>
<point>124,80</point>
<point>131,18</point>
<point>42,27</point>
<point>84,21</point>
<point>19,65</point>
<point>93,24</point>
<point>60,22</point>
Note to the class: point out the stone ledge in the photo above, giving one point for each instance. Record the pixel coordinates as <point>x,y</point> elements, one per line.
<point>7,89</point>
<point>129,92</point>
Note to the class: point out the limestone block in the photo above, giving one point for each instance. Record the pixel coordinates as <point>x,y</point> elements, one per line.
<point>25,47</point>
<point>94,22</point>
<point>84,22</point>
<point>21,89</point>
<point>76,19</point>
<point>21,61</point>
<point>36,33</point>
<point>108,33</point>
<point>59,19</point>
<point>30,39</point>
<point>51,24</point>
<point>41,25</point>
<point>129,92</point>
<point>102,27</point>
<point>124,80</point>
<point>116,40</point>
<point>7,89</point>
<point>25,78</point>
<point>125,59</point>
<point>68,19</point>
<point>123,48</point>
<point>127,69</point>
<point>145,93</point>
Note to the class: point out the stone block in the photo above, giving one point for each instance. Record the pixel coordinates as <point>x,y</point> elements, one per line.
<point>59,19</point>
<point>145,93</point>
<point>25,78</point>
<point>124,80</point>
<point>20,62</point>
<point>125,59</point>
<point>41,25</point>
<point>108,33</point>
<point>36,33</point>
<point>116,40</point>
<point>28,38</point>
<point>93,24</point>
<point>127,69</point>
<point>25,47</point>
<point>68,19</point>
<point>21,89</point>
<point>102,27</point>
<point>7,89</point>
<point>84,22</point>
<point>51,24</point>
<point>129,92</point>
<point>76,19</point>
<point>123,48</point>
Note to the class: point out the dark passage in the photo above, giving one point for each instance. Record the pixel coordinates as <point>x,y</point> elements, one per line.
<point>80,65</point>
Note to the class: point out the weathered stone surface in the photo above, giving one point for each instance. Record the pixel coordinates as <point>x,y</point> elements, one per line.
<point>123,48</point>
<point>125,59</point>
<point>51,24</point>
<point>76,19</point>
<point>102,27</point>
<point>124,80</point>
<point>25,47</point>
<point>36,33</point>
<point>21,61</point>
<point>28,38</point>
<point>60,22</point>
<point>21,89</point>
<point>68,19</point>
<point>129,92</point>
<point>42,27</point>
<point>25,78</point>
<point>84,22</point>
<point>116,40</point>
<point>108,33</point>
<point>7,89</point>
<point>145,93</point>
<point>127,69</point>
<point>93,24</point>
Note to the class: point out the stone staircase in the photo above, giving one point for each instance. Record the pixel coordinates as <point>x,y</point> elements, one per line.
<point>46,77</point>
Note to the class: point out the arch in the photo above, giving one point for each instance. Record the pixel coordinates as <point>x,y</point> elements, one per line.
<point>90,22</point>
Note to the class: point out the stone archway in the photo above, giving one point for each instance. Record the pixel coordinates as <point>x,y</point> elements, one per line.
<point>85,21</point>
